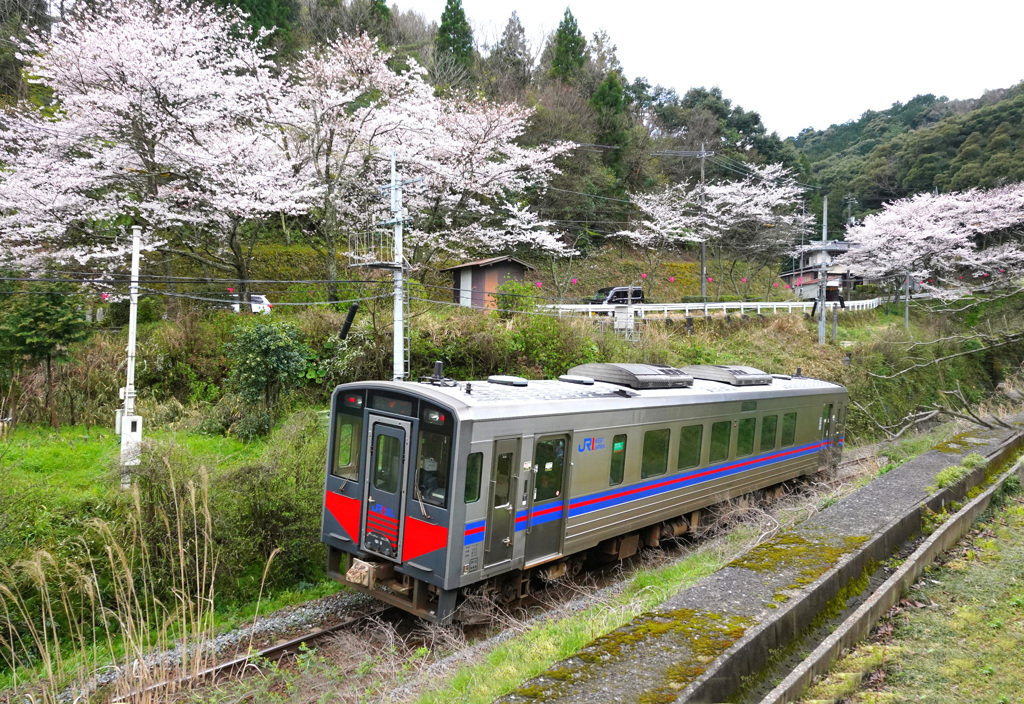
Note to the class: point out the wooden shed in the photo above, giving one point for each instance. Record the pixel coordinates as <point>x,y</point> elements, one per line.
<point>476,282</point>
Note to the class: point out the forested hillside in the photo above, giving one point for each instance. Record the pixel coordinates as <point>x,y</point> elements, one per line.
<point>925,144</point>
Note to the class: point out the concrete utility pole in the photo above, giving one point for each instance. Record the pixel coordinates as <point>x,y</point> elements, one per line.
<point>129,424</point>
<point>704,237</point>
<point>824,272</point>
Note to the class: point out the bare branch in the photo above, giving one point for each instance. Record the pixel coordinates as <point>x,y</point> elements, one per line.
<point>1008,339</point>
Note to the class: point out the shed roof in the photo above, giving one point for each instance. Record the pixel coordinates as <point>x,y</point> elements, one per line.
<point>491,262</point>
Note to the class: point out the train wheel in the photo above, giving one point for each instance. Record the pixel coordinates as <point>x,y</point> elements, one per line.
<point>509,591</point>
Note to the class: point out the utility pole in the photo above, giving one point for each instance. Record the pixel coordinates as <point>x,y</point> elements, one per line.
<point>129,424</point>
<point>906,302</point>
<point>702,154</point>
<point>398,370</point>
<point>850,200</point>
<point>704,236</point>
<point>399,215</point>
<point>824,272</point>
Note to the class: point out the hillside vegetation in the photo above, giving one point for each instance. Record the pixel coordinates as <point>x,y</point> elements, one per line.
<point>925,144</point>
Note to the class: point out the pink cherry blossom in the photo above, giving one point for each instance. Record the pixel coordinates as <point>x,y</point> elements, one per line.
<point>937,236</point>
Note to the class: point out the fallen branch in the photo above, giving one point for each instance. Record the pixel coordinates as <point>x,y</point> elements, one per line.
<point>921,418</point>
<point>971,418</point>
<point>871,418</point>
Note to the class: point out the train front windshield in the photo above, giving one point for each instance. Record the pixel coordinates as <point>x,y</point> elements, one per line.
<point>434,455</point>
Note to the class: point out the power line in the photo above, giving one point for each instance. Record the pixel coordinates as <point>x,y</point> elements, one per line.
<point>589,195</point>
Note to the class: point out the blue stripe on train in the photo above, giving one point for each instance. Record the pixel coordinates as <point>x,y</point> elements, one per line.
<point>654,487</point>
<point>475,532</point>
<point>545,513</point>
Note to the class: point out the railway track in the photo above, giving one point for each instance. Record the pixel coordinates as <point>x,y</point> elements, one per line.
<point>281,651</point>
<point>274,653</point>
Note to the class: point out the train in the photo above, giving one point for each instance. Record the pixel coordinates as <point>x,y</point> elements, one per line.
<point>436,486</point>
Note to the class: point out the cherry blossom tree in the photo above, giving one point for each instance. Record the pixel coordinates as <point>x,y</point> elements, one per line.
<point>668,219</point>
<point>349,110</point>
<point>751,223</point>
<point>943,242</point>
<point>160,116</point>
<point>175,117</point>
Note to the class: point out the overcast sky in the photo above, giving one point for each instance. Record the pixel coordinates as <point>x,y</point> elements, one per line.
<point>798,63</point>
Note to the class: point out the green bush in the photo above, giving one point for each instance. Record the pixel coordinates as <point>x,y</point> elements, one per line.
<point>515,297</point>
<point>151,309</point>
<point>548,346</point>
<point>254,423</point>
<point>275,504</point>
<point>267,357</point>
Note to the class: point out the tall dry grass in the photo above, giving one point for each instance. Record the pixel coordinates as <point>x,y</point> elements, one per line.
<point>121,618</point>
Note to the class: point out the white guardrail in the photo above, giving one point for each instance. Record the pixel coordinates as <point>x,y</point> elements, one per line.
<point>643,310</point>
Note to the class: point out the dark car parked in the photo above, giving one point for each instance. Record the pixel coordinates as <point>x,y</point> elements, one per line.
<point>618,295</point>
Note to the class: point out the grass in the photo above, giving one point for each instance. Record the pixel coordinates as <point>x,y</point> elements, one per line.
<point>60,510</point>
<point>82,459</point>
<point>956,637</point>
<point>543,644</point>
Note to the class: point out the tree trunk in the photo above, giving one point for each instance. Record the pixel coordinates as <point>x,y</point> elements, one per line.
<point>331,265</point>
<point>49,395</point>
<point>241,264</point>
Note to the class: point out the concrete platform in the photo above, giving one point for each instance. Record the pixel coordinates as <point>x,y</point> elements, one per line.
<point>709,642</point>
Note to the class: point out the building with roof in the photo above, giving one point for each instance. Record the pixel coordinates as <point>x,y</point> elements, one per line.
<point>475,283</point>
<point>805,277</point>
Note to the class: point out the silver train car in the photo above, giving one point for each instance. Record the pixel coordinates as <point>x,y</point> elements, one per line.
<point>439,485</point>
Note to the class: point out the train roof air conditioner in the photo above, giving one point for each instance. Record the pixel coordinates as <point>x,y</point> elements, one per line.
<point>732,374</point>
<point>635,376</point>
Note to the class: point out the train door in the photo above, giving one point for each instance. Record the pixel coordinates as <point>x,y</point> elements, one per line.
<point>829,453</point>
<point>387,471</point>
<point>501,509</point>
<point>827,424</point>
<point>545,520</point>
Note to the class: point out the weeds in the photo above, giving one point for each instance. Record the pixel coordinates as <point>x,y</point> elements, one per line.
<point>63,622</point>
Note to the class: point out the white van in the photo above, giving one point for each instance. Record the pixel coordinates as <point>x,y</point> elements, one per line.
<point>257,302</point>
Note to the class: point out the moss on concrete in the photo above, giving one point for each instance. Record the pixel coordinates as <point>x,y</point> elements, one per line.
<point>698,637</point>
<point>808,555</point>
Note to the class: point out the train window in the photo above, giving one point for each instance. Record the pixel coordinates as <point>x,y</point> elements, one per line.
<point>502,474</point>
<point>745,437</point>
<point>618,468</point>
<point>788,429</point>
<point>474,469</point>
<point>826,421</point>
<point>721,435</point>
<point>655,457</point>
<point>769,424</point>
<point>388,466</point>
<point>348,433</point>
<point>748,406</point>
<point>689,446</point>
<point>550,459</point>
<point>432,463</point>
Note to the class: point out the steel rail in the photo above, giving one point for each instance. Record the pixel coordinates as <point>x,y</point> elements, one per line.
<point>274,653</point>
